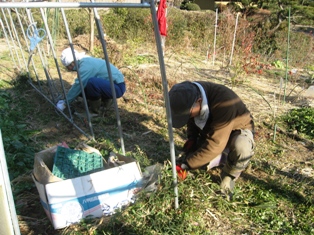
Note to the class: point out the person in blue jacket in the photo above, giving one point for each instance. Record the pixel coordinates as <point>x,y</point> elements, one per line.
<point>95,78</point>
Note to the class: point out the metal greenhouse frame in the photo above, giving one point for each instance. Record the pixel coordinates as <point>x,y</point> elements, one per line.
<point>25,23</point>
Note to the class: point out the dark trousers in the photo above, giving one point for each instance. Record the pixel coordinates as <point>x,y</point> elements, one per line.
<point>99,88</point>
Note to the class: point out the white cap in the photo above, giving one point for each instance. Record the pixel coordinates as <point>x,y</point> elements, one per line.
<point>67,56</point>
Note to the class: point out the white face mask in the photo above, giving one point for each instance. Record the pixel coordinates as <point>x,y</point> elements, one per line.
<point>71,67</point>
<point>201,120</point>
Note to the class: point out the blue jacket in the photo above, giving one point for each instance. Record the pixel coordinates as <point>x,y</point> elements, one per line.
<point>90,67</point>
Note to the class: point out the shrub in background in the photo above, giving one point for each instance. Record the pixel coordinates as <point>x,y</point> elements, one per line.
<point>255,37</point>
<point>78,22</point>
<point>184,28</point>
<point>192,7</point>
<point>189,29</point>
<point>123,24</point>
<point>177,25</point>
<point>200,25</point>
<point>189,5</point>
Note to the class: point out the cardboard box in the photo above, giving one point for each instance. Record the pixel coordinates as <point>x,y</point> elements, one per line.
<point>98,194</point>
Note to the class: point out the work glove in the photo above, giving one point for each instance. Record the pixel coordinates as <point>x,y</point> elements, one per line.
<point>181,162</point>
<point>61,105</point>
<point>190,145</point>
<point>182,167</point>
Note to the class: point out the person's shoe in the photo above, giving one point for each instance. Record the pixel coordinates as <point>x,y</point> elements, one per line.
<point>95,105</point>
<point>107,102</point>
<point>227,186</point>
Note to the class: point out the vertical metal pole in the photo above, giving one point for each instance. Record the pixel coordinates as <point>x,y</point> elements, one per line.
<point>234,37</point>
<point>216,22</point>
<point>40,53</point>
<point>8,42</point>
<point>103,43</point>
<point>30,57</point>
<point>167,102</point>
<point>16,35</point>
<point>78,75</point>
<point>287,57</point>
<point>9,221</point>
<point>54,55</point>
<point>22,30</point>
<point>12,39</point>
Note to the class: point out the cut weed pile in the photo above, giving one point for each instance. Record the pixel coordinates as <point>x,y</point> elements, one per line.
<point>273,196</point>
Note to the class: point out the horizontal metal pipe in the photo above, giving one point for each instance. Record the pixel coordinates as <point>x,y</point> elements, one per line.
<point>72,5</point>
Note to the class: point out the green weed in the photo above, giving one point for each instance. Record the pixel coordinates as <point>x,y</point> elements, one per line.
<point>301,120</point>
<point>16,136</point>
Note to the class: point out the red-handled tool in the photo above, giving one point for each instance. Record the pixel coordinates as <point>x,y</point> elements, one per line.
<point>182,173</point>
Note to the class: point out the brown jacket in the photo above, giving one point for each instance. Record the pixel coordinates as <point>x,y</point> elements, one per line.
<point>227,113</point>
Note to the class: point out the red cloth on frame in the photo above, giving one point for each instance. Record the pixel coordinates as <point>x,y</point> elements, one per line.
<point>161,17</point>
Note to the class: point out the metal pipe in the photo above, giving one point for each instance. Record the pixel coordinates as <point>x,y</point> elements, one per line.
<point>103,43</point>
<point>71,121</point>
<point>150,4</point>
<point>234,38</point>
<point>28,49</point>
<point>21,26</point>
<point>7,40</point>
<point>17,37</point>
<point>167,101</point>
<point>40,53</point>
<point>215,35</point>
<point>52,49</point>
<point>287,56</point>
<point>78,76</point>
<point>12,39</point>
<point>9,220</point>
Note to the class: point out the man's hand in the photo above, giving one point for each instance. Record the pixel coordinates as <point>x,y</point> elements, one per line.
<point>61,105</point>
<point>181,162</point>
<point>182,166</point>
<point>189,145</point>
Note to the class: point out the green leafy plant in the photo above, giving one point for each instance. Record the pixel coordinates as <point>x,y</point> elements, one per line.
<point>15,135</point>
<point>310,80</point>
<point>279,64</point>
<point>301,120</point>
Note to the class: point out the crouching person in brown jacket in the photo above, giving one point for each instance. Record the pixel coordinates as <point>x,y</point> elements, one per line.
<point>219,129</point>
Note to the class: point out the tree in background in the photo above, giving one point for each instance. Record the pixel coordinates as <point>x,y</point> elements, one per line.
<point>302,12</point>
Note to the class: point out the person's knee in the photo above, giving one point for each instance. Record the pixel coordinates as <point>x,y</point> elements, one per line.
<point>243,146</point>
<point>120,90</point>
<point>241,152</point>
<point>244,143</point>
<point>118,95</point>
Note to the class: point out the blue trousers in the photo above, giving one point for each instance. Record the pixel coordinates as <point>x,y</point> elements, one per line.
<point>97,88</point>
